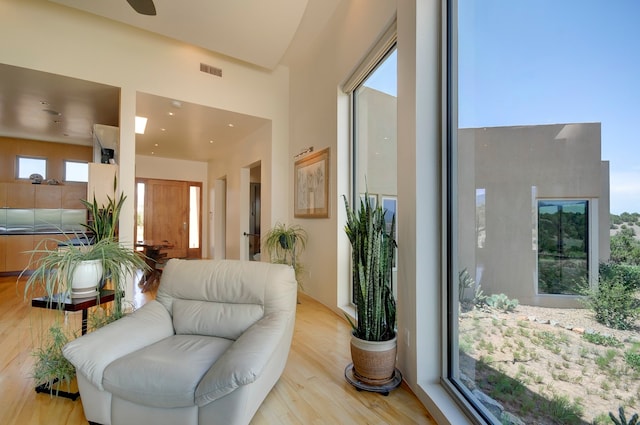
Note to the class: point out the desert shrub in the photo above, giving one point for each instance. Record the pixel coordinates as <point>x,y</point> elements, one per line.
<point>625,248</point>
<point>501,302</point>
<point>612,303</point>
<point>465,281</point>
<point>628,274</point>
<point>633,359</point>
<point>604,340</point>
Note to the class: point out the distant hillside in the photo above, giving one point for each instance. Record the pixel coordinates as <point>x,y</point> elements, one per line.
<point>625,221</point>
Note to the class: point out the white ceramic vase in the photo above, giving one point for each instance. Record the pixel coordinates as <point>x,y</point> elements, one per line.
<point>86,278</point>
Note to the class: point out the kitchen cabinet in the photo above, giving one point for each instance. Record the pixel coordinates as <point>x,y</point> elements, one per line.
<point>3,194</point>
<point>48,196</point>
<point>20,195</point>
<point>17,256</point>
<point>3,252</point>
<point>72,194</point>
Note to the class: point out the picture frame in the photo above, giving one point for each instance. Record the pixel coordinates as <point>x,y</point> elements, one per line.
<point>311,186</point>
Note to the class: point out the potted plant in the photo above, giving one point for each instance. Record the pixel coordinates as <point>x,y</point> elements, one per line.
<point>84,261</point>
<point>373,342</point>
<point>284,243</point>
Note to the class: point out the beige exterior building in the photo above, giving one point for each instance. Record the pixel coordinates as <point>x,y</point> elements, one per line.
<point>505,175</point>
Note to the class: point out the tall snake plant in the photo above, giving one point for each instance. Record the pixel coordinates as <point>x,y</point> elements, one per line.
<point>372,253</point>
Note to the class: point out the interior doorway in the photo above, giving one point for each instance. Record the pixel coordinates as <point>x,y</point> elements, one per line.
<point>170,212</point>
<point>254,212</point>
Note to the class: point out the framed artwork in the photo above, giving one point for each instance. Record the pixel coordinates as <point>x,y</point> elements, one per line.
<point>311,181</point>
<point>373,200</point>
<point>390,206</point>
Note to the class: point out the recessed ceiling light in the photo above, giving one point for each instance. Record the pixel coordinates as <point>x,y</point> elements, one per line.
<point>210,141</point>
<point>230,125</point>
<point>155,145</point>
<point>141,125</point>
<point>163,129</point>
<point>170,114</point>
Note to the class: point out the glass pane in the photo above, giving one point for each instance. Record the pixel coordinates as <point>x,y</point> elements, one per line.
<point>29,166</point>
<point>375,145</point>
<point>563,246</point>
<point>76,171</point>
<point>545,247</point>
<point>194,217</point>
<point>140,187</point>
<point>375,125</point>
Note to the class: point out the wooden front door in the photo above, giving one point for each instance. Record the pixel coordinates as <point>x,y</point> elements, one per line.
<point>166,214</point>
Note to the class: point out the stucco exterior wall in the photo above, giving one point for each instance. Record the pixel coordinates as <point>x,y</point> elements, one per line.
<point>515,167</point>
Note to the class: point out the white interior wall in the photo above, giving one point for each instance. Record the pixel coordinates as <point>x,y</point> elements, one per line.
<point>314,87</point>
<point>234,165</point>
<point>96,49</point>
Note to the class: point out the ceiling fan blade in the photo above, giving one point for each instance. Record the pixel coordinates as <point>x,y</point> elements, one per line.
<point>144,7</point>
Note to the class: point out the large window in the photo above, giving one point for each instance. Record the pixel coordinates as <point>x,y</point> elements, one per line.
<point>544,244</point>
<point>374,104</point>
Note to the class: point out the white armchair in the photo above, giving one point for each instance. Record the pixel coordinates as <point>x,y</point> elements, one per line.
<point>207,351</point>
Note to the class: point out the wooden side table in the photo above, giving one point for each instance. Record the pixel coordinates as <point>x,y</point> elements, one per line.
<point>60,302</point>
<point>66,303</point>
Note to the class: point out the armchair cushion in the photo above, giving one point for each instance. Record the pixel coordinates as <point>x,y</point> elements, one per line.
<point>245,360</point>
<point>226,320</point>
<point>92,353</point>
<point>164,374</point>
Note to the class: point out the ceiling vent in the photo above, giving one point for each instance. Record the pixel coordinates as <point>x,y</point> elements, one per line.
<point>210,69</point>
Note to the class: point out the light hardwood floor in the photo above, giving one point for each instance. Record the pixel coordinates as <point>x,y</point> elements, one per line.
<point>312,389</point>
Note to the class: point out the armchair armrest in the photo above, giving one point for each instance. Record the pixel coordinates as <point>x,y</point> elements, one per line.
<point>245,359</point>
<point>93,352</point>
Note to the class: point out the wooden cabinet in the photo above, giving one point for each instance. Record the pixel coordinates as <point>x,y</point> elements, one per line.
<point>72,194</point>
<point>48,196</point>
<point>17,256</point>
<point>3,194</point>
<point>3,252</point>
<point>20,195</point>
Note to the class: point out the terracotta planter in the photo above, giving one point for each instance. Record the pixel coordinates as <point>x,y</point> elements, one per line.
<point>86,278</point>
<point>374,362</point>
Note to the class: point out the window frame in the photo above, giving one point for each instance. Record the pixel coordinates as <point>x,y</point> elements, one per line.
<point>65,177</point>
<point>31,157</point>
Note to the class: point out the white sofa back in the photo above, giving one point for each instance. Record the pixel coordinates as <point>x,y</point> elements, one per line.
<point>222,298</point>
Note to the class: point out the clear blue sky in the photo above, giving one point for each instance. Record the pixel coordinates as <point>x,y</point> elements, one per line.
<point>548,62</point>
<point>557,61</point>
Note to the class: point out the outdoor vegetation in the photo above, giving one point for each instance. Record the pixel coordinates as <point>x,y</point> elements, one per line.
<point>559,366</point>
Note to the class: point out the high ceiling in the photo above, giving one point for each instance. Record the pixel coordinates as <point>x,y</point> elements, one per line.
<point>254,31</point>
<point>55,108</point>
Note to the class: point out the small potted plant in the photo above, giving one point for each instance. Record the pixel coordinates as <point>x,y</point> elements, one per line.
<point>285,243</point>
<point>373,342</point>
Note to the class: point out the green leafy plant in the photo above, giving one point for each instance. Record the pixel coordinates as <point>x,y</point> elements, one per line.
<point>50,366</point>
<point>372,248</point>
<point>501,302</point>
<point>633,359</point>
<point>465,281</point>
<point>103,219</point>
<point>599,339</point>
<point>622,418</point>
<point>612,303</point>
<point>285,243</point>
